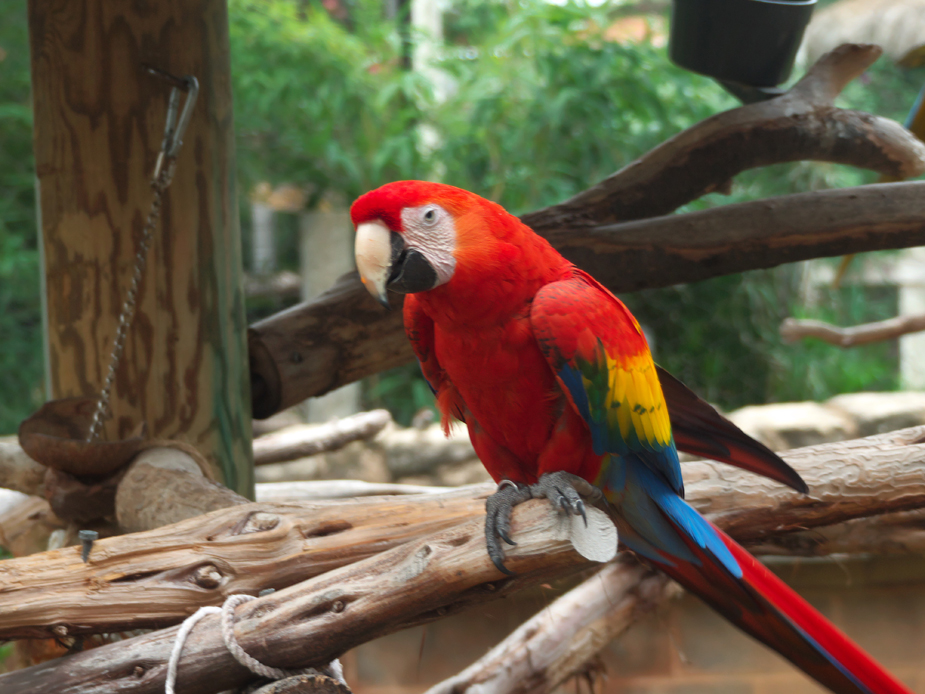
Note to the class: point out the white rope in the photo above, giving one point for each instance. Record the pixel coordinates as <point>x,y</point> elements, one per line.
<point>334,669</point>
<point>185,629</point>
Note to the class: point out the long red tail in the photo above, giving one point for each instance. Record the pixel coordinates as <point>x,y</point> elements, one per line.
<point>762,605</point>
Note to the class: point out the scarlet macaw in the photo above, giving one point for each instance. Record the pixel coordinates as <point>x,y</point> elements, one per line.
<point>555,382</point>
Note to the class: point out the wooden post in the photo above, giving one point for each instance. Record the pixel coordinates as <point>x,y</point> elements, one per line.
<point>99,120</point>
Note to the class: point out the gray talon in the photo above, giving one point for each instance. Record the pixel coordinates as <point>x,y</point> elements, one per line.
<point>498,520</point>
<point>565,491</point>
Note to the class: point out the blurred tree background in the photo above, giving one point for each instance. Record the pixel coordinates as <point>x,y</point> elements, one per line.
<point>543,101</point>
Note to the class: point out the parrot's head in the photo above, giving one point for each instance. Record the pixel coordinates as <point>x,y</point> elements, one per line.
<point>414,236</point>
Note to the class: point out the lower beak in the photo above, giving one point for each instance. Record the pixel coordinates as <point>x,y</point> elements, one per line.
<point>375,254</point>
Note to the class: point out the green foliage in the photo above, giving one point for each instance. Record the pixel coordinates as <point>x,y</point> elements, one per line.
<point>318,105</point>
<point>545,107</point>
<point>20,310</point>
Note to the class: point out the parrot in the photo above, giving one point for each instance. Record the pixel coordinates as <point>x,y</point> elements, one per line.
<point>554,380</point>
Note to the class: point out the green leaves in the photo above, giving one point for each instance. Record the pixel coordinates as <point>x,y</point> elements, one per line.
<point>318,105</point>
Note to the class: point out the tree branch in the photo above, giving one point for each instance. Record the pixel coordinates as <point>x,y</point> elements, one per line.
<point>310,439</point>
<point>344,335</point>
<point>430,577</point>
<point>157,577</point>
<point>557,642</point>
<point>793,329</point>
<point>800,125</point>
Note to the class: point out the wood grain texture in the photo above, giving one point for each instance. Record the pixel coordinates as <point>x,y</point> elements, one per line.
<point>99,120</point>
<point>558,641</point>
<point>158,577</point>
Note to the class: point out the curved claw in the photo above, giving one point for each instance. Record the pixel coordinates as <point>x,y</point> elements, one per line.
<point>498,520</point>
<point>565,491</point>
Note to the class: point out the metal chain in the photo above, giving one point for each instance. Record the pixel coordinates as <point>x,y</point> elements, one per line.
<point>174,130</point>
<point>102,411</point>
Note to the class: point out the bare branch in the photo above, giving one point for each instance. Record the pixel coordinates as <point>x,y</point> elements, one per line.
<point>310,439</point>
<point>800,125</point>
<point>345,335</point>
<point>156,577</point>
<point>427,578</point>
<point>560,639</point>
<point>793,329</point>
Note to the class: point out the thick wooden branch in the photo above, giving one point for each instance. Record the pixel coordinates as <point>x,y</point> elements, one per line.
<point>345,335</point>
<point>311,439</point>
<point>800,125</point>
<point>157,577</point>
<point>557,642</point>
<point>793,329</point>
<point>427,578</point>
<point>748,236</point>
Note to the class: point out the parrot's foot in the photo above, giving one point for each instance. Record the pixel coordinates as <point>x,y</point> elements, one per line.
<point>565,491</point>
<point>498,509</point>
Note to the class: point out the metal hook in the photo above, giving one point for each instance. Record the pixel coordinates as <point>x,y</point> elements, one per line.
<point>175,128</point>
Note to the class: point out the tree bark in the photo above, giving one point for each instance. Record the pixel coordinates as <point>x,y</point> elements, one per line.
<point>557,643</point>
<point>345,335</point>
<point>99,123</point>
<point>311,439</point>
<point>157,577</point>
<point>427,578</point>
<point>800,125</point>
<point>793,329</point>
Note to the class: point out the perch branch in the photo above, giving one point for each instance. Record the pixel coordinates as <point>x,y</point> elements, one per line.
<point>892,533</point>
<point>793,329</point>
<point>310,439</point>
<point>345,335</point>
<point>427,578</point>
<point>157,577</point>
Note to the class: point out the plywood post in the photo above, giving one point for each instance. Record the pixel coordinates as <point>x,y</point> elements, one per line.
<point>99,119</point>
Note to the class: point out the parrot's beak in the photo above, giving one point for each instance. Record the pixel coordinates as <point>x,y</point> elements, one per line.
<point>385,263</point>
<point>376,248</point>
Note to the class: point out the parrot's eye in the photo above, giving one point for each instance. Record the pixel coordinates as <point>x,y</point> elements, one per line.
<point>430,216</point>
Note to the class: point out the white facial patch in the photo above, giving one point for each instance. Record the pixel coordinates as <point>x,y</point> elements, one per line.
<point>430,229</point>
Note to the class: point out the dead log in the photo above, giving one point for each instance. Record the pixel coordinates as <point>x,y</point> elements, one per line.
<point>427,578</point>
<point>417,582</point>
<point>345,335</point>
<point>19,472</point>
<point>793,329</point>
<point>316,490</point>
<point>183,491</point>
<point>158,577</point>
<point>311,439</point>
<point>556,643</point>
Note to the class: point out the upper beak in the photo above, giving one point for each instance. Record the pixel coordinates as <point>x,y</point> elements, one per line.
<point>376,249</point>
